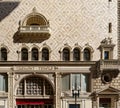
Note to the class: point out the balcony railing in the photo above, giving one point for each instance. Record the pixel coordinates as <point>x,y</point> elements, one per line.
<point>34,29</point>
<point>109,64</point>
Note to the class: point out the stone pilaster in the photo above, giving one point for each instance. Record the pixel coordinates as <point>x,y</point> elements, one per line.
<point>118,29</point>
<point>57,90</point>
<point>10,90</point>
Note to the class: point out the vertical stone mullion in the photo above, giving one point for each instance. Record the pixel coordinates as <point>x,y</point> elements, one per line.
<point>71,56</point>
<point>44,87</point>
<point>29,56</point>
<point>25,88</point>
<point>118,29</point>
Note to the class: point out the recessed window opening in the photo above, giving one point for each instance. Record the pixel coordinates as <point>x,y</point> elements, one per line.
<point>34,24</point>
<point>36,20</point>
<point>110,27</point>
<point>3,54</point>
<point>24,54</point>
<point>76,81</point>
<point>66,54</point>
<point>87,54</point>
<point>76,54</point>
<point>45,54</point>
<point>34,54</point>
<point>106,55</point>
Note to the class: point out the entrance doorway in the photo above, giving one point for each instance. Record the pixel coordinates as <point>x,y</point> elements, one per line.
<point>74,105</point>
<point>105,103</point>
<point>34,103</point>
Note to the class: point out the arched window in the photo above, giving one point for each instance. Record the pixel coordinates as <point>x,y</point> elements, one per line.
<point>87,54</point>
<point>66,54</point>
<point>76,54</point>
<point>3,54</point>
<point>24,54</point>
<point>34,85</point>
<point>45,54</point>
<point>34,54</point>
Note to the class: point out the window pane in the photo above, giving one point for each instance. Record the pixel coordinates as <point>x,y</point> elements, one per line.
<point>48,88</point>
<point>45,54</point>
<point>3,54</point>
<point>20,90</point>
<point>34,54</point>
<point>76,54</point>
<point>76,81</point>
<point>3,82</point>
<point>84,82</point>
<point>80,81</point>
<point>66,82</point>
<point>34,86</point>
<point>74,105</point>
<point>24,54</point>
<point>86,54</point>
<point>66,54</point>
<point>106,55</point>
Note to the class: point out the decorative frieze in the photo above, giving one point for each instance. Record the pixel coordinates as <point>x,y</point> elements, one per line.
<point>34,68</point>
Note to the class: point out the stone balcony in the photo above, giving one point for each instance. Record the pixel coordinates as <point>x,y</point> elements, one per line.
<point>32,33</point>
<point>109,64</point>
<point>34,29</point>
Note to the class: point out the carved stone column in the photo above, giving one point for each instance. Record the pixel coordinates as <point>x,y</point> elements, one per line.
<point>119,29</point>
<point>94,104</point>
<point>57,90</point>
<point>10,90</point>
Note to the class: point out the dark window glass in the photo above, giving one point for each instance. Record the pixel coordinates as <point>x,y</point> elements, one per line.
<point>34,54</point>
<point>106,55</point>
<point>74,105</point>
<point>109,0</point>
<point>24,54</point>
<point>110,27</point>
<point>86,54</point>
<point>66,54</point>
<point>76,54</point>
<point>3,54</point>
<point>45,54</point>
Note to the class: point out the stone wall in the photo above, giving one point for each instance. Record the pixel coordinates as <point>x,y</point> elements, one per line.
<point>71,22</point>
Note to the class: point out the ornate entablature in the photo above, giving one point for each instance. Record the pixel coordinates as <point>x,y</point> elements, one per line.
<point>33,28</point>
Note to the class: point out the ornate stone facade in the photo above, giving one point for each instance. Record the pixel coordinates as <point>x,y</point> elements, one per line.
<point>59,54</point>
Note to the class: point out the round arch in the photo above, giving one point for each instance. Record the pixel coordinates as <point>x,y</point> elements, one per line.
<point>34,18</point>
<point>38,76</point>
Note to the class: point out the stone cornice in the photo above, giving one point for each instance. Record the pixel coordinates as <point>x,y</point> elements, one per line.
<point>47,63</point>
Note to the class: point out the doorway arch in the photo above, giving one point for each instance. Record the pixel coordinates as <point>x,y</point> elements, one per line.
<point>35,91</point>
